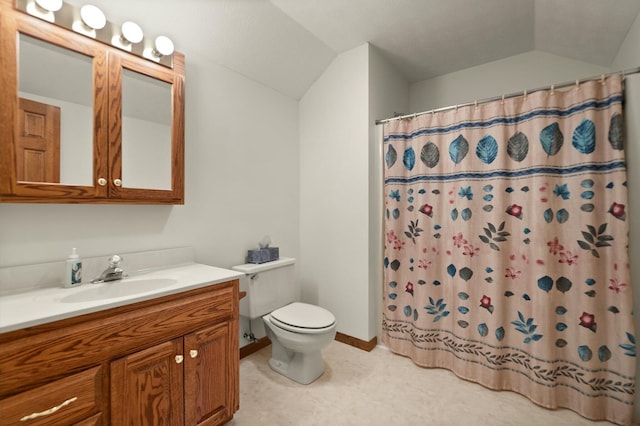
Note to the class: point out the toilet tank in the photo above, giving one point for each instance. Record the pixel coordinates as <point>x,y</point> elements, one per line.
<point>269,286</point>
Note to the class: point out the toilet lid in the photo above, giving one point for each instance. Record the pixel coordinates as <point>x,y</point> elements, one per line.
<point>303,315</point>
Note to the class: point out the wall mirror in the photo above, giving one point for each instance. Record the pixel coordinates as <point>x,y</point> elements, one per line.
<point>146,131</point>
<point>54,142</point>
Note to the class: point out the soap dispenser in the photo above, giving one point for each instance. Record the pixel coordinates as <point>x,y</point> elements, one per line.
<point>73,276</point>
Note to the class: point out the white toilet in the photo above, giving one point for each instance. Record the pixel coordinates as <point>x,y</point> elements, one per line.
<point>298,331</point>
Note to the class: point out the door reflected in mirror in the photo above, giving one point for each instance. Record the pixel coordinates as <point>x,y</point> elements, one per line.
<point>146,132</point>
<point>54,142</point>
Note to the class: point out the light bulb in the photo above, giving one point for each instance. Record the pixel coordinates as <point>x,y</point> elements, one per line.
<point>93,17</point>
<point>50,5</point>
<point>164,46</point>
<point>132,32</point>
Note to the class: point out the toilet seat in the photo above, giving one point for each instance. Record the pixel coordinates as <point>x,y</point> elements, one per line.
<point>303,318</point>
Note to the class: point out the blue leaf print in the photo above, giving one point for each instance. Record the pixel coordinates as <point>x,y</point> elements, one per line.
<point>466,193</point>
<point>396,213</point>
<point>585,353</point>
<point>587,183</point>
<point>466,214</point>
<point>407,311</point>
<point>518,146</point>
<point>616,132</point>
<point>629,348</point>
<point>487,149</point>
<point>451,270</point>
<point>409,158</point>
<point>462,295</point>
<point>604,354</point>
<point>454,214</point>
<point>393,296</point>
<point>562,216</point>
<point>500,333</point>
<point>587,195</point>
<point>488,197</point>
<point>391,156</point>
<point>430,155</point>
<point>463,310</point>
<point>584,137</point>
<point>483,329</point>
<point>458,149</point>
<point>551,139</point>
<point>562,191</point>
<point>394,194</point>
<point>561,326</point>
<point>590,281</point>
<point>561,310</point>
<point>548,215</point>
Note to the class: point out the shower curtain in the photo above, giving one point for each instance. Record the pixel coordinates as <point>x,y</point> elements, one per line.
<point>506,247</point>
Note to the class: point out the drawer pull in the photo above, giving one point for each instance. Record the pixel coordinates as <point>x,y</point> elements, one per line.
<point>193,353</point>
<point>49,411</point>
<point>179,359</point>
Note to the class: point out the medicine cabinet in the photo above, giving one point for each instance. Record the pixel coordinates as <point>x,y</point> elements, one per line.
<point>85,122</point>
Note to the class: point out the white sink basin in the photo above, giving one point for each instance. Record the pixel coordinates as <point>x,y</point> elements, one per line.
<point>114,289</point>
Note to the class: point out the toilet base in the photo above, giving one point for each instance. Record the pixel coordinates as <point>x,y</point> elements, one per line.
<point>303,368</point>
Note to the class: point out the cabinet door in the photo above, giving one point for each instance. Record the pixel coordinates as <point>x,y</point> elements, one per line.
<point>146,135</point>
<point>146,387</point>
<point>53,113</point>
<point>211,372</point>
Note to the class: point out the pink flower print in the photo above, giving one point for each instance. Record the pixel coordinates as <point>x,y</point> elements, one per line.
<point>470,251</point>
<point>588,320</point>
<point>409,288</point>
<point>424,264</point>
<point>617,286</point>
<point>512,273</point>
<point>427,209</point>
<point>568,258</point>
<point>554,246</point>
<point>617,210</point>
<point>515,211</point>
<point>393,238</point>
<point>458,240</point>
<point>485,302</point>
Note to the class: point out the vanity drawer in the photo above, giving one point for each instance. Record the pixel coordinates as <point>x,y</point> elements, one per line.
<point>67,401</point>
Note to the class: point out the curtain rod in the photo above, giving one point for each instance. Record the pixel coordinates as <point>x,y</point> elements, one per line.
<point>512,95</point>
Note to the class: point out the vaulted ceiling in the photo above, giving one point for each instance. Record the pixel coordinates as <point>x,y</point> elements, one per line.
<point>287,44</point>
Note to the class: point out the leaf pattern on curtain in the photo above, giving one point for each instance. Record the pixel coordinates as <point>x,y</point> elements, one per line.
<point>509,266</point>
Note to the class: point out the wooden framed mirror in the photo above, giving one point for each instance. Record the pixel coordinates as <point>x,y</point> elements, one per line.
<point>73,129</point>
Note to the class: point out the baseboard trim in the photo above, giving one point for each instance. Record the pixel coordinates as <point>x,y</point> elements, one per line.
<point>247,350</point>
<point>357,343</point>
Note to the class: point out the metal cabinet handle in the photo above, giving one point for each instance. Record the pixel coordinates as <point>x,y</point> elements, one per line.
<point>193,353</point>
<point>179,359</point>
<point>117,182</point>
<point>49,411</point>
<point>102,181</point>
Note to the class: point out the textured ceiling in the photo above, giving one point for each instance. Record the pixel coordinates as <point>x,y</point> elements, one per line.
<point>287,44</point>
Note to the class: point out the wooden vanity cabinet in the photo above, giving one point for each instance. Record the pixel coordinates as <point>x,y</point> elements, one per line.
<point>172,360</point>
<point>185,381</point>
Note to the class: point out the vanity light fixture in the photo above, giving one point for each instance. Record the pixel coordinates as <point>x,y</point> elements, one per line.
<point>163,46</point>
<point>90,21</point>
<point>92,17</point>
<point>131,33</point>
<point>50,5</point>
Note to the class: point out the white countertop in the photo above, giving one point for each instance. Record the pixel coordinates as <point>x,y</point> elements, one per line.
<point>46,305</point>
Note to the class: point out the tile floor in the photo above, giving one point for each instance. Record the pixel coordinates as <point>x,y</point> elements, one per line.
<point>381,388</point>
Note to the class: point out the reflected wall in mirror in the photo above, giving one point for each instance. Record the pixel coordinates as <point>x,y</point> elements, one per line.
<point>146,132</point>
<point>55,138</point>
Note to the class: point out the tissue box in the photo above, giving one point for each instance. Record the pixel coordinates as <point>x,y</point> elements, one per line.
<point>263,255</point>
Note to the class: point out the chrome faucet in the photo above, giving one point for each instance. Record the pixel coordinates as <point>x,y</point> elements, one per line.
<point>113,273</point>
